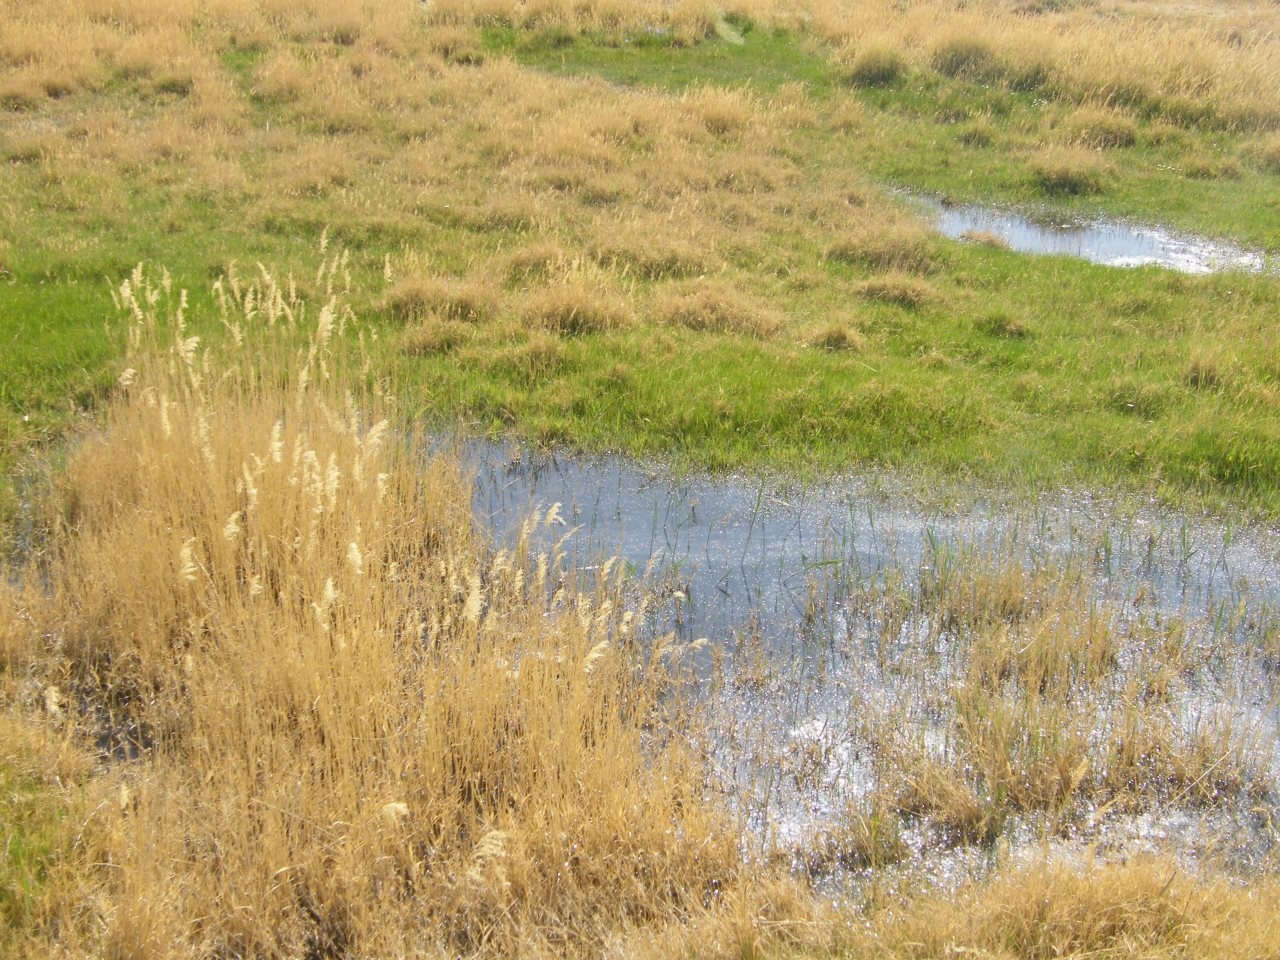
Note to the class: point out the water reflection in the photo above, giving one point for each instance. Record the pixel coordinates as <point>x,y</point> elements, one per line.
<point>816,598</point>
<point>1108,242</point>
<point>744,550</point>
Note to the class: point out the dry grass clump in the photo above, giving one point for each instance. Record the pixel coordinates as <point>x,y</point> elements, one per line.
<point>1157,64</point>
<point>838,337</point>
<point>457,45</point>
<point>1099,128</point>
<point>32,149</point>
<point>715,306</point>
<point>899,289</point>
<point>1202,167</point>
<point>432,335</point>
<point>1073,171</point>
<point>1269,154</point>
<point>724,113</point>
<point>356,731</point>
<point>901,245</point>
<point>985,238</point>
<point>970,56</point>
<point>576,306</point>
<point>312,170</point>
<point>1044,702</point>
<point>281,76</point>
<point>1146,908</point>
<point>872,66</point>
<point>537,261</point>
<point>415,297</point>
<point>751,174</point>
<point>648,249</point>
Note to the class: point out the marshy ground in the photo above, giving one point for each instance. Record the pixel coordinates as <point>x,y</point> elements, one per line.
<point>273,683</point>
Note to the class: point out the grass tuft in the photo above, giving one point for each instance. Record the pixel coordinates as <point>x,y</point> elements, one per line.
<point>415,298</point>
<point>576,307</point>
<point>967,56</point>
<point>463,756</point>
<point>901,246</point>
<point>1004,326</point>
<point>901,290</point>
<point>839,337</point>
<point>1069,171</point>
<point>1099,129</point>
<point>536,262</point>
<point>434,335</point>
<point>873,66</point>
<point>716,307</point>
<point>1269,154</point>
<point>985,238</point>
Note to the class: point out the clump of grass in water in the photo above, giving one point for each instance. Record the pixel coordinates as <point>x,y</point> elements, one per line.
<point>1050,703</point>
<point>357,732</point>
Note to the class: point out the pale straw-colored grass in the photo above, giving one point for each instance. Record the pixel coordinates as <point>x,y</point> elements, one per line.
<point>355,730</point>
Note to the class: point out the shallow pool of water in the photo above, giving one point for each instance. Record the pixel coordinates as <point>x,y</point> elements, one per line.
<point>1108,242</point>
<point>743,550</point>
<point>769,572</point>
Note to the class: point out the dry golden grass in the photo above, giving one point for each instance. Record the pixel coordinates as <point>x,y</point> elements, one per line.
<point>316,658</point>
<point>840,337</point>
<point>538,261</point>
<point>716,306</point>
<point>900,246</point>
<point>434,335</point>
<point>357,731</point>
<point>576,306</point>
<point>1070,171</point>
<point>985,238</point>
<point>899,289</point>
<point>872,66</point>
<point>416,297</point>
<point>1269,154</point>
<point>1053,704</point>
<point>1099,128</point>
<point>281,76</point>
<point>1150,908</point>
<point>1144,909</point>
<point>1221,67</point>
<point>649,249</point>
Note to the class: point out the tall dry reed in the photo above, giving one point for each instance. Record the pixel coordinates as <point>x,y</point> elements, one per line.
<point>340,725</point>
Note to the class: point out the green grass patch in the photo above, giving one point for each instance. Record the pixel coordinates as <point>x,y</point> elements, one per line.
<point>30,824</point>
<point>763,60</point>
<point>708,265</point>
